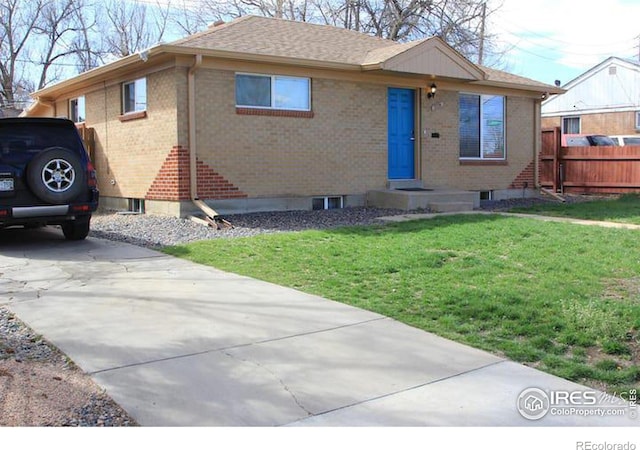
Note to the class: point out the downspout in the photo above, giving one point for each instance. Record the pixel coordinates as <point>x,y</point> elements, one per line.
<point>537,141</point>
<point>212,218</point>
<point>191,86</point>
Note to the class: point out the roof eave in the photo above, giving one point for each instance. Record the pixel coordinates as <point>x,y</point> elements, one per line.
<point>550,90</point>
<point>96,73</point>
<point>102,72</point>
<point>371,66</point>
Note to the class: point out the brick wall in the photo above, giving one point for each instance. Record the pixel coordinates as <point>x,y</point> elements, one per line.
<point>339,149</point>
<point>525,179</point>
<point>614,123</point>
<point>130,154</point>
<point>173,181</point>
<point>551,122</point>
<point>212,184</point>
<point>441,166</point>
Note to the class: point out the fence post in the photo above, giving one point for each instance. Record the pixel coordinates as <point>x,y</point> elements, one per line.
<point>557,139</point>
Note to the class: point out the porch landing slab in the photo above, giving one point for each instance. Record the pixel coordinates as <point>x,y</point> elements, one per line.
<point>436,200</point>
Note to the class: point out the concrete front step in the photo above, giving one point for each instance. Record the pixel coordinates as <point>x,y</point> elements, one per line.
<point>447,199</point>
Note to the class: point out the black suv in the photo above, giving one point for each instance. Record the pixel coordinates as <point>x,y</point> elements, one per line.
<point>46,177</point>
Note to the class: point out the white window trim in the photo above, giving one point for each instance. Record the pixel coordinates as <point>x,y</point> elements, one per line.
<point>572,117</point>
<point>504,134</point>
<point>326,199</point>
<point>124,100</point>
<point>637,120</point>
<point>71,108</point>
<point>273,97</point>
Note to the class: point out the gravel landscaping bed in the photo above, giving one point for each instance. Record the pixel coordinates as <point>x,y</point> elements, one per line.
<point>506,205</point>
<point>156,231</point>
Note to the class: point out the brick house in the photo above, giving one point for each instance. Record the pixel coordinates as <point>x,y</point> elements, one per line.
<point>261,113</point>
<point>603,100</point>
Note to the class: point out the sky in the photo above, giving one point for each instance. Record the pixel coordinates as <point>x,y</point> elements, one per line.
<point>550,40</point>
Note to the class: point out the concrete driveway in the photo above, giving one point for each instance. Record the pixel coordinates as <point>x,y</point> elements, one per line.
<point>179,344</point>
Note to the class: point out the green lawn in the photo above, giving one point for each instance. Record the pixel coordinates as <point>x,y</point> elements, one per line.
<point>624,209</point>
<point>560,297</point>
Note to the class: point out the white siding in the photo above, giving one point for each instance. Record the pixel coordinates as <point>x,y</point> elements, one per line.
<point>612,86</point>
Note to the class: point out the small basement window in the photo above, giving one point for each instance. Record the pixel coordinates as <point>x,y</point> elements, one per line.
<point>319,203</point>
<point>136,205</point>
<point>486,195</point>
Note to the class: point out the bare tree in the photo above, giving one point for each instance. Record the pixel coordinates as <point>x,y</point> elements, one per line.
<point>190,20</point>
<point>18,19</point>
<point>131,27</point>
<point>58,19</point>
<point>208,11</point>
<point>87,45</point>
<point>458,22</point>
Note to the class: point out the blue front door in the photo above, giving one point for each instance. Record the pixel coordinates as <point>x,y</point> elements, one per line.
<point>401,134</point>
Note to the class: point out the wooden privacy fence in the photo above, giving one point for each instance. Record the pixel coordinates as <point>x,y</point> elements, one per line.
<point>587,170</point>
<point>88,137</point>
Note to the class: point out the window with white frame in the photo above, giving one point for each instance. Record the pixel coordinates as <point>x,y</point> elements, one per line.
<point>318,203</point>
<point>637,120</point>
<point>482,126</point>
<point>134,96</point>
<point>77,109</point>
<point>273,92</point>
<point>571,125</point>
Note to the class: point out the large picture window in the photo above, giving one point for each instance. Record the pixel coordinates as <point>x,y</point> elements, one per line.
<point>273,92</point>
<point>482,125</point>
<point>134,96</point>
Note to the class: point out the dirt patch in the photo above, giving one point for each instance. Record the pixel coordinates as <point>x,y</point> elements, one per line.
<point>623,289</point>
<point>39,386</point>
<point>41,394</point>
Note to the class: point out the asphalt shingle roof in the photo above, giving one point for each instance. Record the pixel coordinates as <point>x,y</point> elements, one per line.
<point>271,37</point>
<point>253,37</point>
<point>505,77</point>
<point>299,40</point>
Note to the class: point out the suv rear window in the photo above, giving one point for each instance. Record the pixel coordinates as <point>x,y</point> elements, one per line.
<point>31,138</point>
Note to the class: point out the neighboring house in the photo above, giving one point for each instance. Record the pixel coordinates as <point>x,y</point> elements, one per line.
<point>603,100</point>
<point>261,113</point>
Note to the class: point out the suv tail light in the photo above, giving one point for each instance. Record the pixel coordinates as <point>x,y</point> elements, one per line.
<point>92,179</point>
<point>81,208</point>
